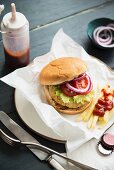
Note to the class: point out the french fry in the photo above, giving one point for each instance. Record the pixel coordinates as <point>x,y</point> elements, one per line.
<point>101,122</point>
<point>101,125</point>
<point>90,122</point>
<point>91,119</point>
<point>106,118</point>
<point>108,114</point>
<point>81,116</point>
<point>111,113</point>
<point>94,121</point>
<point>89,111</point>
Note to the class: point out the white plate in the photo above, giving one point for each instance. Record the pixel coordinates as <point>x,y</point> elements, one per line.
<point>30,117</point>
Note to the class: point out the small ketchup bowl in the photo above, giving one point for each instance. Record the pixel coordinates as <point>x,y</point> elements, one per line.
<point>94,24</point>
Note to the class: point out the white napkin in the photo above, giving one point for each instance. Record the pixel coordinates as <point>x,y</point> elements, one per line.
<point>26,80</point>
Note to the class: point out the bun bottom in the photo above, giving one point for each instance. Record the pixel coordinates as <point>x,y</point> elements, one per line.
<point>64,109</point>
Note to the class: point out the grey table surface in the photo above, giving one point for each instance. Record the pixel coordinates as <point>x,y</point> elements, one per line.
<point>45,18</point>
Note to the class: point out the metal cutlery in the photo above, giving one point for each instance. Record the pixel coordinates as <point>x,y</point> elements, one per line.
<point>23,135</point>
<point>17,143</point>
<point>24,139</point>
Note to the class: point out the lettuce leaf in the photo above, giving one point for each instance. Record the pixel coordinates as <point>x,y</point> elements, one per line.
<point>78,99</point>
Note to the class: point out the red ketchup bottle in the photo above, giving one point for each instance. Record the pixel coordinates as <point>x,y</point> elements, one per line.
<point>15,35</point>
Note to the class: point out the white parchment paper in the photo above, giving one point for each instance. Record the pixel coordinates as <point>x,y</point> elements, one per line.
<point>26,80</point>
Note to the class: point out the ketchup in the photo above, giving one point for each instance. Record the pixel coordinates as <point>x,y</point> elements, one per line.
<point>103,104</point>
<point>17,59</point>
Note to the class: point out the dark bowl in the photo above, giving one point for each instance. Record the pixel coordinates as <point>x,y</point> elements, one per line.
<point>96,23</point>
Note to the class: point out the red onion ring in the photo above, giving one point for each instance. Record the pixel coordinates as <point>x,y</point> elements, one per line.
<point>106,44</point>
<point>90,87</point>
<point>107,38</point>
<point>81,91</point>
<point>99,39</point>
<point>80,77</point>
<point>96,36</point>
<point>111,25</point>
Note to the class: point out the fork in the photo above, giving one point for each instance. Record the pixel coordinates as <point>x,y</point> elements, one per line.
<point>17,143</point>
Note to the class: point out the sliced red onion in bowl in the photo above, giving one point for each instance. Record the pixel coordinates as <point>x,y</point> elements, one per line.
<point>106,39</point>
<point>109,34</point>
<point>100,38</point>
<point>103,35</point>
<point>81,91</point>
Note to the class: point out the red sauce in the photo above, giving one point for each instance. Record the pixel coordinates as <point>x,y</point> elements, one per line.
<point>103,104</point>
<point>17,59</point>
<point>99,112</point>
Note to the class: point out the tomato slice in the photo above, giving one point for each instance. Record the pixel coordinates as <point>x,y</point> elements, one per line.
<point>80,84</point>
<point>67,91</point>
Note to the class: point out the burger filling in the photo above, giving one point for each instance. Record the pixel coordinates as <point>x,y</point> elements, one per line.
<point>73,94</point>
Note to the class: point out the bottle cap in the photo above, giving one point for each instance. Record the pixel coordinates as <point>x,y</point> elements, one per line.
<point>14,20</point>
<point>106,144</point>
<point>103,150</point>
<point>107,140</point>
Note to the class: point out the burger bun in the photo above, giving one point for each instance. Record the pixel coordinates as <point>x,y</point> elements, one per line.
<point>61,70</point>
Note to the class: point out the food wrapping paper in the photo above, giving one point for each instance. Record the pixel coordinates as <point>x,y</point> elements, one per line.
<point>26,80</point>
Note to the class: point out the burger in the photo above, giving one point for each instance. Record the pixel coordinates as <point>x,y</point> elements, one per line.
<point>67,86</point>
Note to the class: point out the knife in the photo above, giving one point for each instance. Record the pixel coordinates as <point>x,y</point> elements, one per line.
<point>24,136</point>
